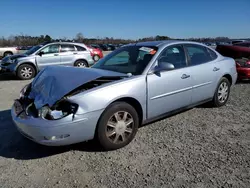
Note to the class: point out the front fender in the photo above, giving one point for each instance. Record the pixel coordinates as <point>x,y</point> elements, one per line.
<point>24,62</point>
<point>101,97</point>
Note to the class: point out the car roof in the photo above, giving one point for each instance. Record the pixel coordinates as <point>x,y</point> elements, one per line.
<point>245,42</point>
<point>163,43</point>
<point>73,43</point>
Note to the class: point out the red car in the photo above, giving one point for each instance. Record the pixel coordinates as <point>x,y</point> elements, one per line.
<point>96,53</point>
<point>241,53</point>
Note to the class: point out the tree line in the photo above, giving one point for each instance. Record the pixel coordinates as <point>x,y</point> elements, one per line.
<point>26,40</point>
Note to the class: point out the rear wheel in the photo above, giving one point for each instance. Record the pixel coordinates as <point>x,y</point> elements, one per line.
<point>81,63</point>
<point>222,92</point>
<point>117,126</point>
<point>25,72</point>
<point>96,57</point>
<point>7,54</point>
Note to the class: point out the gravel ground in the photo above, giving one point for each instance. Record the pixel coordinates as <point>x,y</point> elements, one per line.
<point>202,147</point>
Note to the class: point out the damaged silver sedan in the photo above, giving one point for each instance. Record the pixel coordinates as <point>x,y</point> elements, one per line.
<point>133,85</point>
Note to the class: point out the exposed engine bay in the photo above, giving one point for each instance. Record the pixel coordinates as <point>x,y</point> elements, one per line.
<point>62,107</point>
<point>243,62</point>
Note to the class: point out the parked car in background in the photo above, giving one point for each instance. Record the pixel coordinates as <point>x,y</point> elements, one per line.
<point>96,53</point>
<point>236,41</point>
<point>111,47</point>
<point>24,48</point>
<point>241,54</point>
<point>243,44</point>
<point>105,47</point>
<point>210,43</point>
<point>95,46</point>
<point>133,85</point>
<point>7,51</point>
<point>27,65</point>
<point>118,45</point>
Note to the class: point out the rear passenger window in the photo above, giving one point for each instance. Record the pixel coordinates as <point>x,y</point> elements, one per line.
<point>175,55</point>
<point>80,48</point>
<point>67,48</point>
<point>212,54</point>
<point>197,54</point>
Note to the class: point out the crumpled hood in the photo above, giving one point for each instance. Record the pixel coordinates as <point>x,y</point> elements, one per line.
<point>13,57</point>
<point>54,82</point>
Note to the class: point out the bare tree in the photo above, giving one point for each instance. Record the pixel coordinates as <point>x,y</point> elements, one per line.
<point>79,37</point>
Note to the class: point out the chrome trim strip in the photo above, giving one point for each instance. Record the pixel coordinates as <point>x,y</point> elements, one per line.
<point>171,93</point>
<point>203,84</point>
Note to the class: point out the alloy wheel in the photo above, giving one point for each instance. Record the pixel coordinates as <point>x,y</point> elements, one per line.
<point>81,64</point>
<point>26,72</point>
<point>96,58</point>
<point>223,92</point>
<point>120,127</point>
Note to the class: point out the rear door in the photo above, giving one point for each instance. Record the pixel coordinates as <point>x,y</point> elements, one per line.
<point>205,71</point>
<point>67,54</point>
<point>50,56</point>
<point>83,53</point>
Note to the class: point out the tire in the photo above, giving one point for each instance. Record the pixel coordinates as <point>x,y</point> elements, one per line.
<point>7,54</point>
<point>81,63</point>
<point>221,97</point>
<point>26,72</point>
<point>96,58</point>
<point>112,134</point>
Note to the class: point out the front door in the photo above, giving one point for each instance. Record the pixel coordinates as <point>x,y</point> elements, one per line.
<point>49,56</point>
<point>169,90</point>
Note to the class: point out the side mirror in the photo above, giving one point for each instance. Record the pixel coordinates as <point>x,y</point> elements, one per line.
<point>40,53</point>
<point>163,66</point>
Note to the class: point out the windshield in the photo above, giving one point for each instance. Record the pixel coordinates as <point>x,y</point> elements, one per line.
<point>32,50</point>
<point>129,59</point>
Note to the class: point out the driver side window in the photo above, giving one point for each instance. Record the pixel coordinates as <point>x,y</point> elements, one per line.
<point>175,55</point>
<point>51,49</point>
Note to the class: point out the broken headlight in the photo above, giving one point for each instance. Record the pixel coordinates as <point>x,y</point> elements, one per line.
<point>58,111</point>
<point>25,91</point>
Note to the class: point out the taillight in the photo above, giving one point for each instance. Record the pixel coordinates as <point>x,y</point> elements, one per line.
<point>91,51</point>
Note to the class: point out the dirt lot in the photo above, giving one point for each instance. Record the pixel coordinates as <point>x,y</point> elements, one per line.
<point>202,147</point>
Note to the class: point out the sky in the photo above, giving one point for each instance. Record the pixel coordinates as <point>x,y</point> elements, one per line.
<point>127,19</point>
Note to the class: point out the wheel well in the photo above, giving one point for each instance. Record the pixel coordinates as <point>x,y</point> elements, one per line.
<point>7,52</point>
<point>228,76</point>
<point>81,60</point>
<point>31,64</point>
<point>133,102</point>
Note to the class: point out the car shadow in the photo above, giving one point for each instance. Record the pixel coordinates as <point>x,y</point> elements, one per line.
<point>7,76</point>
<point>243,82</point>
<point>14,145</point>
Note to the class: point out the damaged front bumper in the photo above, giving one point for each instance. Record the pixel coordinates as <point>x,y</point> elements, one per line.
<point>68,130</point>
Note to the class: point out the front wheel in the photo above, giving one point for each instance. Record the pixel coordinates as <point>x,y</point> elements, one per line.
<point>25,72</point>
<point>222,92</point>
<point>117,126</point>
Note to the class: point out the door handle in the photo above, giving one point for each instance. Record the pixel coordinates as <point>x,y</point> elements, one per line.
<point>56,54</point>
<point>184,76</point>
<point>216,69</point>
<point>75,53</point>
